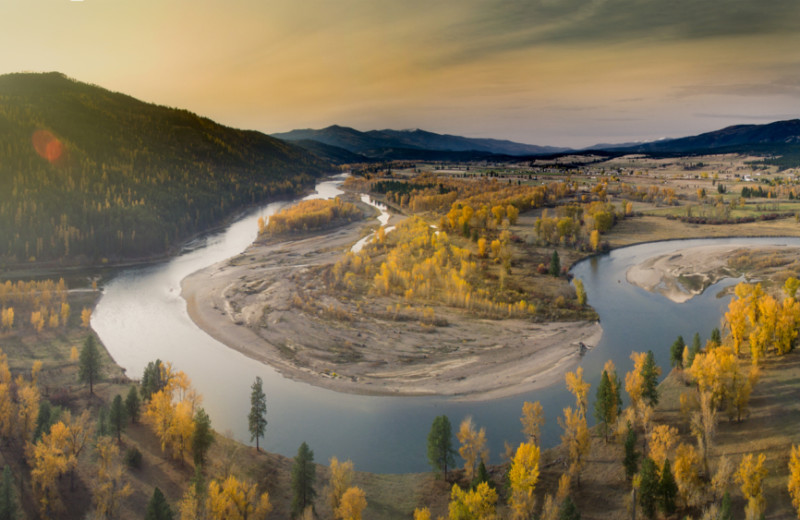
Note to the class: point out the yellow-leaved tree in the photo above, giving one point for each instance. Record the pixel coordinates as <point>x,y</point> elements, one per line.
<point>576,438</point>
<point>473,446</point>
<point>110,487</point>
<point>235,500</point>
<point>522,477</point>
<point>750,476</point>
<point>341,477</point>
<point>49,461</point>
<point>352,504</point>
<point>478,503</point>
<point>662,438</point>
<point>579,388</point>
<point>170,412</point>
<point>532,420</point>
<point>794,478</point>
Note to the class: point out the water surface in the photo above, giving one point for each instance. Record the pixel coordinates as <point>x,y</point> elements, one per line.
<point>141,317</point>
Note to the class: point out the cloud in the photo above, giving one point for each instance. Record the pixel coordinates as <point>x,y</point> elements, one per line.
<point>498,26</point>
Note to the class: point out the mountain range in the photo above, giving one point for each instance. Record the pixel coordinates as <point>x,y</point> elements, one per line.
<point>90,175</point>
<point>399,144</point>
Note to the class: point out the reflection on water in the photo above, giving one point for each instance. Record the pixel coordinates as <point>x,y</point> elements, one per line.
<point>141,317</point>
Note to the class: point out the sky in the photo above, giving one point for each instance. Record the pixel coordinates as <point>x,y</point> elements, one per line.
<point>548,72</point>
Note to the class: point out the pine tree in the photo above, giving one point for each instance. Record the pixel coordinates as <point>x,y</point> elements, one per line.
<point>676,353</point>
<point>650,373</point>
<point>202,437</point>
<point>725,507</point>
<point>649,487</point>
<point>132,404</point>
<point>303,476</point>
<point>631,460</point>
<point>568,510</point>
<point>257,419</point>
<point>117,417</point>
<point>669,490</point>
<point>89,363</point>
<point>605,405</point>
<point>158,508</point>
<point>555,264</point>
<point>152,379</point>
<point>8,503</point>
<point>441,452</point>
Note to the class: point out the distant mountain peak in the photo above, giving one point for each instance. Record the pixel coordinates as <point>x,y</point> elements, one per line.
<point>414,143</point>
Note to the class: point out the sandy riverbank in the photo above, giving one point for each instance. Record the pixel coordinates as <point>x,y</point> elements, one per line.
<point>253,303</point>
<point>683,274</point>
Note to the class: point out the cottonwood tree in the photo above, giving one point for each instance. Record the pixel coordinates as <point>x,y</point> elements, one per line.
<point>341,478</point>
<point>576,438</point>
<point>750,476</point>
<point>110,486</point>
<point>473,446</point>
<point>794,477</point>
<point>532,420</point>
<point>257,418</point>
<point>353,503</point>
<point>478,503</point>
<point>235,500</point>
<point>441,452</point>
<point>522,477</point>
<point>89,363</point>
<point>579,388</point>
<point>303,476</point>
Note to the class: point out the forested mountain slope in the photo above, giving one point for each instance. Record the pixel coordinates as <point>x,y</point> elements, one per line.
<point>87,174</point>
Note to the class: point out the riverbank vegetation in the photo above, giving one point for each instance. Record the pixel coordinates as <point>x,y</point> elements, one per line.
<point>91,176</point>
<point>310,215</point>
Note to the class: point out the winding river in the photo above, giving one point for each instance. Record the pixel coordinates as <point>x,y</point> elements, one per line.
<point>141,316</point>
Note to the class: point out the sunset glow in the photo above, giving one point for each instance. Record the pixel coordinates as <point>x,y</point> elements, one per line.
<point>560,73</point>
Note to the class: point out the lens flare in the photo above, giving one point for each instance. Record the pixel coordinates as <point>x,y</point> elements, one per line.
<point>47,145</point>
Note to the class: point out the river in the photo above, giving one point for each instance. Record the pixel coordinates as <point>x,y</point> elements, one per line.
<point>141,316</point>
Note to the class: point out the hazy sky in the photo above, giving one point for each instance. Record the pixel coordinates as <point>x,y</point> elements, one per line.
<point>554,72</point>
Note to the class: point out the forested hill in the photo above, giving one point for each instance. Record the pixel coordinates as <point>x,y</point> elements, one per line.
<point>87,174</point>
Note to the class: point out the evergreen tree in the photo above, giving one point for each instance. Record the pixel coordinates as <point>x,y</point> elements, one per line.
<point>257,419</point>
<point>676,352</point>
<point>649,488</point>
<point>89,361</point>
<point>716,336</point>
<point>696,346</point>
<point>152,379</point>
<point>102,429</point>
<point>158,508</point>
<point>303,476</point>
<point>650,372</point>
<point>605,404</point>
<point>568,510</point>
<point>132,404</point>
<point>441,452</point>
<point>725,507</point>
<point>631,460</point>
<point>9,510</point>
<point>202,437</point>
<point>47,417</point>
<point>117,417</point>
<point>555,264</point>
<point>669,490</point>
<point>482,476</point>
